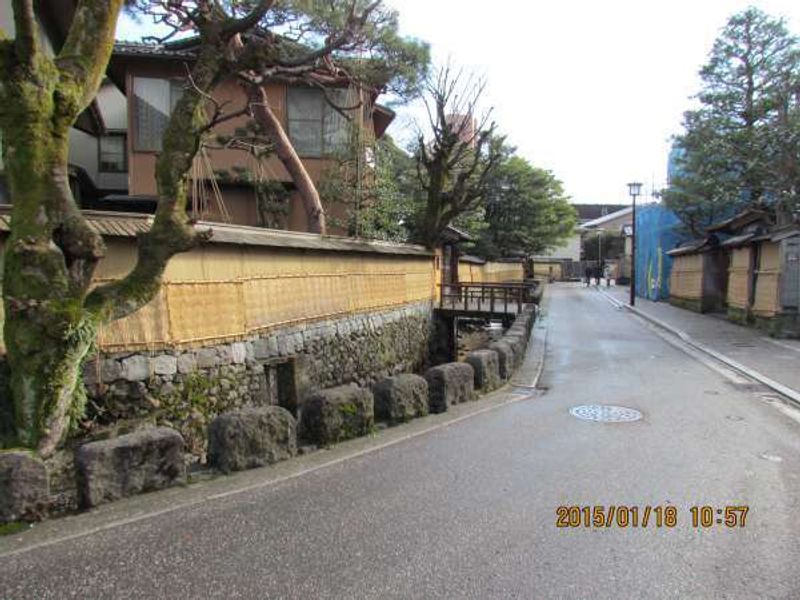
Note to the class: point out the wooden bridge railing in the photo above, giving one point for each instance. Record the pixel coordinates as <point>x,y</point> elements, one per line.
<point>505,298</point>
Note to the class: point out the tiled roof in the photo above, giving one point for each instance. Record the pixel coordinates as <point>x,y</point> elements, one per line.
<point>694,246</point>
<point>738,221</point>
<point>115,224</point>
<point>468,258</point>
<point>737,240</point>
<point>587,212</point>
<point>141,49</point>
<point>608,217</point>
<point>104,223</point>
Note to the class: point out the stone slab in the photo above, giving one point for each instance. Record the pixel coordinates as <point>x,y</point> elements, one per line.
<point>143,461</point>
<point>505,358</point>
<point>337,414</point>
<point>251,437</point>
<point>448,384</point>
<point>23,486</point>
<point>401,398</point>
<point>485,365</point>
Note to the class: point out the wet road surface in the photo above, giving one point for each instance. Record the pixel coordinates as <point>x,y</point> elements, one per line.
<point>469,511</point>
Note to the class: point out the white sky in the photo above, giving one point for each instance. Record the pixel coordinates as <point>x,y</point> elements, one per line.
<point>591,90</point>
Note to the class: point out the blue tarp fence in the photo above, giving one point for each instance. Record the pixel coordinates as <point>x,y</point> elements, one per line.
<point>656,233</point>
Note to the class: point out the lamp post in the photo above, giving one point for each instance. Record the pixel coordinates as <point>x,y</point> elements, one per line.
<point>634,189</point>
<point>600,247</point>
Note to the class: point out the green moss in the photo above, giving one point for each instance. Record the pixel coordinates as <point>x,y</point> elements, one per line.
<point>348,408</point>
<point>13,527</point>
<point>780,326</point>
<point>739,315</point>
<point>191,406</point>
<point>692,304</point>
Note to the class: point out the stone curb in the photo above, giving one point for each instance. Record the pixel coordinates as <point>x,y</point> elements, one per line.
<point>143,507</point>
<point>786,391</point>
<point>537,345</point>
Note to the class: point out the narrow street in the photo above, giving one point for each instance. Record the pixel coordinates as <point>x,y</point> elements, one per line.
<point>469,510</point>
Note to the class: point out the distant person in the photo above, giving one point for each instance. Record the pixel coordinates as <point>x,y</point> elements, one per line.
<point>588,274</point>
<point>607,275</point>
<point>597,274</point>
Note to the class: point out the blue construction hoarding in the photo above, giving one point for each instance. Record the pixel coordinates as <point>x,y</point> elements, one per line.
<point>657,232</point>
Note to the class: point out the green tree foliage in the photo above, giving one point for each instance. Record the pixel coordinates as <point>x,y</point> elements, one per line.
<point>525,209</point>
<point>395,194</point>
<point>740,147</point>
<point>602,245</point>
<point>371,191</point>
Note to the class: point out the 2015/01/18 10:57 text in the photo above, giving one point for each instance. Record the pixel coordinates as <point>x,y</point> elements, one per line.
<point>649,516</point>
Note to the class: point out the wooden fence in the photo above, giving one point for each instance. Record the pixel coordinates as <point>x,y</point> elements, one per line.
<point>249,280</point>
<point>686,277</point>
<point>739,277</point>
<point>265,289</point>
<point>489,272</point>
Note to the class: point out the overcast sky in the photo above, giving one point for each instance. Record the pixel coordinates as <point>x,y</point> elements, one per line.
<point>591,90</point>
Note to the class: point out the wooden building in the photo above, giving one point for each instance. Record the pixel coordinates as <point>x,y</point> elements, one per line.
<point>699,277</point>
<point>764,280</point>
<point>753,273</point>
<point>230,177</point>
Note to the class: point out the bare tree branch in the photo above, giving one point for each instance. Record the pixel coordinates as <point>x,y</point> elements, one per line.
<point>454,166</point>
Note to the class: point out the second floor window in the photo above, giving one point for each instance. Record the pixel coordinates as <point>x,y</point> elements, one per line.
<point>316,128</point>
<point>113,153</point>
<point>154,100</point>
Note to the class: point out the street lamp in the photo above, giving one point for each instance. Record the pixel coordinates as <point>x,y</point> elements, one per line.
<point>634,189</point>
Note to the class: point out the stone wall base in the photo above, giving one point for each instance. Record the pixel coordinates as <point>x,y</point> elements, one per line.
<point>694,304</point>
<point>782,325</point>
<point>186,389</point>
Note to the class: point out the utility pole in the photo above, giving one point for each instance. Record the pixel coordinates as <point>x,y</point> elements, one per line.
<point>634,189</point>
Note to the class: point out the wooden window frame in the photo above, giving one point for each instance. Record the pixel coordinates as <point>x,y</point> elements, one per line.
<point>117,133</point>
<point>171,81</point>
<point>324,152</point>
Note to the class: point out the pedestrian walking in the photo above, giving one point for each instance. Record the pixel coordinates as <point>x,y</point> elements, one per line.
<point>588,273</point>
<point>607,275</point>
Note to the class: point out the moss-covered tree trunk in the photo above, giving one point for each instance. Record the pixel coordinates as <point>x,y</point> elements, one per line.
<point>51,311</point>
<point>47,259</point>
<point>51,252</point>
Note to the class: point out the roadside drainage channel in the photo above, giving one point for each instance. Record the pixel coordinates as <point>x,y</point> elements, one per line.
<point>529,374</point>
<point>116,514</point>
<point>787,392</point>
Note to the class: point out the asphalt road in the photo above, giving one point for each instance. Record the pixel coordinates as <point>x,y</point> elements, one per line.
<point>469,511</point>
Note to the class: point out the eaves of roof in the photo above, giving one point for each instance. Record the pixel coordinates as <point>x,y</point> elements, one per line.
<point>114,224</point>
<point>606,218</point>
<point>738,221</point>
<point>693,247</point>
<point>141,49</point>
<point>468,258</point>
<point>738,240</point>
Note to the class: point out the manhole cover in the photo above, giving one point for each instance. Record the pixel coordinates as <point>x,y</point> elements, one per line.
<point>605,414</point>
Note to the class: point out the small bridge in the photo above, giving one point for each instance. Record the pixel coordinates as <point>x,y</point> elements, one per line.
<point>486,300</point>
<point>500,301</point>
